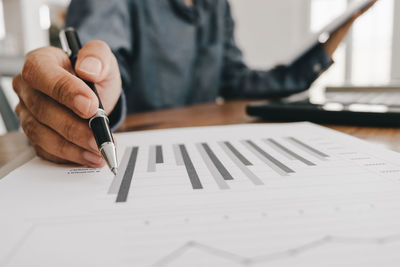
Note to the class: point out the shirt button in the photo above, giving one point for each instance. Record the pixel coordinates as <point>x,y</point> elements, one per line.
<point>317,68</point>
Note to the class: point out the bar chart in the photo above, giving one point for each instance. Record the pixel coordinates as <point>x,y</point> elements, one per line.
<point>217,168</point>
<point>248,195</point>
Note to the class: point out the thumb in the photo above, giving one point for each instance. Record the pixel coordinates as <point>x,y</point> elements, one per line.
<point>96,63</point>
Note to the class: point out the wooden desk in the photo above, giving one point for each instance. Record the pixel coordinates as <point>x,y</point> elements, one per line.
<point>202,115</point>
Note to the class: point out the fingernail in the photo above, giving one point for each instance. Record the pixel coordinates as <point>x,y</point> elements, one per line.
<point>82,104</point>
<point>92,157</point>
<point>91,65</point>
<point>93,144</point>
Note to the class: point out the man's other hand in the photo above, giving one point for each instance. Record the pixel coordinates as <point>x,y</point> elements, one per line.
<point>337,37</point>
<point>55,105</point>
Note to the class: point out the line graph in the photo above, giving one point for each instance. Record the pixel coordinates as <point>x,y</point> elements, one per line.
<point>277,255</point>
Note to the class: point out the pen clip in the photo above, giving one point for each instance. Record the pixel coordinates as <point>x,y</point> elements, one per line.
<point>64,43</point>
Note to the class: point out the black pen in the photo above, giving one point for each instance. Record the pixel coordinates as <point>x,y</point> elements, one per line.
<point>98,123</point>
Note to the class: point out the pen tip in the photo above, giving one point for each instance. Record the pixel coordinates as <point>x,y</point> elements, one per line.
<point>114,170</point>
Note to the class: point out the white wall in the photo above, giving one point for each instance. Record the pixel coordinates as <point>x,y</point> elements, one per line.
<point>269,31</point>
<point>13,26</point>
<point>396,43</point>
<point>22,20</point>
<point>34,35</point>
<point>23,24</point>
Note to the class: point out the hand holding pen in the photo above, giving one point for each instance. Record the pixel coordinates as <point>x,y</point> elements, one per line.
<point>99,122</point>
<point>55,105</point>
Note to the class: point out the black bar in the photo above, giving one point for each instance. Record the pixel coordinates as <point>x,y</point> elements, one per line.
<point>159,155</point>
<point>193,177</point>
<point>309,147</point>
<point>217,163</point>
<point>128,175</point>
<point>273,160</point>
<point>239,155</point>
<point>290,152</point>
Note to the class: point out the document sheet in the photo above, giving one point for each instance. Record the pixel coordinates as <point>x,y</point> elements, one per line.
<point>292,194</point>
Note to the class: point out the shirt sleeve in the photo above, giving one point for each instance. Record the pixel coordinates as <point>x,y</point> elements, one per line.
<point>240,81</point>
<point>109,21</point>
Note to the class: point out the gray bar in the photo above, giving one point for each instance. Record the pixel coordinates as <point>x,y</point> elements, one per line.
<point>193,177</point>
<point>309,149</point>
<point>159,155</point>
<point>217,163</point>
<point>275,164</point>
<point>116,183</point>
<point>277,149</point>
<point>238,161</point>
<point>178,155</point>
<point>151,167</point>
<point>219,179</point>
<point>128,175</point>
<point>290,152</point>
<point>237,154</point>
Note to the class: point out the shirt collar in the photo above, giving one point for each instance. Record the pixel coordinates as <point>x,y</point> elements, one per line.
<point>190,13</point>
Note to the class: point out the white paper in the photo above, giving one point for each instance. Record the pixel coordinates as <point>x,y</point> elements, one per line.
<point>337,204</point>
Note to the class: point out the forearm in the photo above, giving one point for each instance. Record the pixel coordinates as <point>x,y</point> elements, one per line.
<point>240,81</point>
<point>119,112</point>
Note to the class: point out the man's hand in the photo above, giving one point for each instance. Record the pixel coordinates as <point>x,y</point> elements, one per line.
<point>55,104</point>
<point>337,37</point>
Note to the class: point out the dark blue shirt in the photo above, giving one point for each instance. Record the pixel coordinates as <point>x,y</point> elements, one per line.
<point>171,54</point>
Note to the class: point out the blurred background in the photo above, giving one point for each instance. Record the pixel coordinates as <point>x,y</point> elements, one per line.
<point>268,31</point>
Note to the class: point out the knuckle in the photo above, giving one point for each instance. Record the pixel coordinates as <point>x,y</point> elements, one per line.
<point>16,83</point>
<point>60,89</point>
<point>39,152</point>
<point>30,67</point>
<point>70,132</point>
<point>30,129</point>
<point>44,155</point>
<point>34,52</point>
<point>87,133</point>
<point>63,146</point>
<point>18,109</point>
<point>36,105</point>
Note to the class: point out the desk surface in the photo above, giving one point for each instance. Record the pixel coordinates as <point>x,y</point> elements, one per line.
<point>12,144</point>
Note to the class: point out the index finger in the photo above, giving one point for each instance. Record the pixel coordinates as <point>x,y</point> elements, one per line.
<point>49,70</point>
